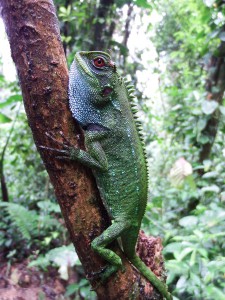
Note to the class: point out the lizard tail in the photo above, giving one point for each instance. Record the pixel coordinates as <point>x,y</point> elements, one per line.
<point>154,280</point>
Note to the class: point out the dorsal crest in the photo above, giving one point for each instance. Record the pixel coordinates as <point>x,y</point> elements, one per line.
<point>133,104</point>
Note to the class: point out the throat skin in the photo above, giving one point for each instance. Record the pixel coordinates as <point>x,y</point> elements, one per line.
<point>102,102</point>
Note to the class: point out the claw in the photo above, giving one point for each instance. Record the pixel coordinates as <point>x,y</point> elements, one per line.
<point>68,148</point>
<point>50,136</point>
<point>96,275</point>
<point>102,275</point>
<point>54,139</point>
<point>62,157</point>
<point>53,149</point>
<point>64,137</point>
<point>66,143</point>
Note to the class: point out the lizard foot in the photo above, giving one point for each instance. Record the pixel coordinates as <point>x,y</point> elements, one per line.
<point>68,151</point>
<point>102,275</point>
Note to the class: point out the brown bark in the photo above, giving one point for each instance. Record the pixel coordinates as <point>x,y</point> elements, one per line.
<point>127,24</point>
<point>33,33</point>
<point>66,28</point>
<point>215,86</point>
<point>4,190</point>
<point>101,38</point>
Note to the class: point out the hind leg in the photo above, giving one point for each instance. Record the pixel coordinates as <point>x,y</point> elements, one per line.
<point>129,240</point>
<point>100,243</point>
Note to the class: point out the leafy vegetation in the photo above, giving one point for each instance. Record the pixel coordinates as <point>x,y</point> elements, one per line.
<point>184,127</point>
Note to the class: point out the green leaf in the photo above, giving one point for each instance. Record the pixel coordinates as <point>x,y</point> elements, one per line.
<point>195,279</point>
<point>215,293</point>
<point>71,289</point>
<point>212,174</point>
<point>203,252</point>
<point>41,261</point>
<point>222,36</point>
<point>171,248</point>
<point>188,221</point>
<point>203,139</point>
<point>222,109</point>
<point>209,106</point>
<point>176,107</point>
<point>142,3</point>
<point>10,100</point>
<point>184,253</point>
<point>181,283</point>
<point>214,34</point>
<point>101,20</point>
<point>62,9</point>
<point>24,219</point>
<point>4,119</point>
<point>212,188</point>
<point>201,124</point>
<point>47,240</point>
<point>191,182</point>
<point>178,267</point>
<point>219,263</point>
<point>193,257</point>
<point>47,206</point>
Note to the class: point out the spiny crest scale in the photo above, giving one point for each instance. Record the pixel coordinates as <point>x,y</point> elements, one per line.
<point>130,90</point>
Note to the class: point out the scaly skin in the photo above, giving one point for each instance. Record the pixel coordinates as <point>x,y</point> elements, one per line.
<point>102,104</point>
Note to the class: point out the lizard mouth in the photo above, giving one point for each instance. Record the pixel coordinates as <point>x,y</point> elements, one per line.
<point>94,127</point>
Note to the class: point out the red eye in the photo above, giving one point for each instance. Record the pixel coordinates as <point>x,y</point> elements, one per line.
<point>99,62</point>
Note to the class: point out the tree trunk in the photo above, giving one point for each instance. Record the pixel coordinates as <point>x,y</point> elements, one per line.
<point>66,27</point>
<point>37,51</point>
<point>127,24</point>
<point>100,37</point>
<point>4,190</point>
<point>215,86</point>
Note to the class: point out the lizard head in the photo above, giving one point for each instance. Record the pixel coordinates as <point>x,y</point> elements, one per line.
<point>92,79</point>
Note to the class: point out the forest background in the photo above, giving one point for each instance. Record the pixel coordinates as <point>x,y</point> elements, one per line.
<point>173,52</point>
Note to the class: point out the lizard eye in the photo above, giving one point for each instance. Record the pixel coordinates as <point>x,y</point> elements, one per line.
<point>99,62</point>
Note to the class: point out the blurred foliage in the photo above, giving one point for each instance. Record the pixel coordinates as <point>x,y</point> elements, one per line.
<point>187,204</point>
<point>187,194</point>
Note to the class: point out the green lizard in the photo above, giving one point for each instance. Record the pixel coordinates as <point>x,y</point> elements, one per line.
<point>101,102</point>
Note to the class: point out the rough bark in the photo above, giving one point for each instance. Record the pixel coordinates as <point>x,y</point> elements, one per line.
<point>215,86</point>
<point>101,37</point>
<point>127,24</point>
<point>37,51</point>
<point>4,190</point>
<point>66,28</point>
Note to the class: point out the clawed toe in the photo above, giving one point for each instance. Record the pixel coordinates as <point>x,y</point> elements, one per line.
<point>102,275</point>
<point>55,140</point>
<point>66,140</point>
<point>62,153</point>
<point>97,274</point>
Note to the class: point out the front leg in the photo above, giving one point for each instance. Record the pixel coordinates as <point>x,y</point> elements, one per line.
<point>94,157</point>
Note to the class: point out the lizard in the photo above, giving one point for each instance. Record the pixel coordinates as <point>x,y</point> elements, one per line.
<point>102,103</point>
